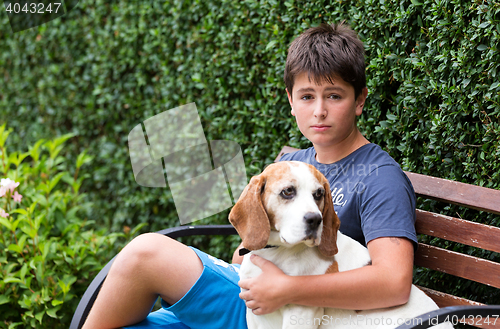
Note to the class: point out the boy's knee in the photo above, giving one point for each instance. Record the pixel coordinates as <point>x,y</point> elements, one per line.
<point>142,251</point>
<point>158,264</point>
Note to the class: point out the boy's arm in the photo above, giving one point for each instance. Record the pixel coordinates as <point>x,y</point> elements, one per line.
<point>385,283</point>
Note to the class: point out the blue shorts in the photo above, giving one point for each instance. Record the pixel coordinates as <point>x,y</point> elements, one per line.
<point>213,302</point>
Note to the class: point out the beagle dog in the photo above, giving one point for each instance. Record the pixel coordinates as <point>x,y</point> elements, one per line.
<point>286,216</point>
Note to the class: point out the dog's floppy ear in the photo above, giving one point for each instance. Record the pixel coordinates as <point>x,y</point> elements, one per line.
<point>249,217</point>
<point>331,224</point>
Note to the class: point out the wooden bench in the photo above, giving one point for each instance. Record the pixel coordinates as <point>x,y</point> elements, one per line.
<point>432,224</point>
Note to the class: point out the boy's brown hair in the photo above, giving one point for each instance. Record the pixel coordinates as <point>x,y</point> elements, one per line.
<point>325,52</point>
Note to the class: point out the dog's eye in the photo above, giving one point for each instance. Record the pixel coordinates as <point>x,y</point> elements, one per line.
<point>318,194</point>
<point>288,193</point>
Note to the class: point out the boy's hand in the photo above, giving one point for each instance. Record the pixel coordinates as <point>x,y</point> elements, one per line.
<point>265,292</point>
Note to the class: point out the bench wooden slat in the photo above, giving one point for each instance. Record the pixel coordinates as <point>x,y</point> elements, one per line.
<point>472,196</point>
<point>458,230</point>
<point>444,300</point>
<point>454,263</point>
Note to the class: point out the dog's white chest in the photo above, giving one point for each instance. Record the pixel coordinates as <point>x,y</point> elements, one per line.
<point>294,262</point>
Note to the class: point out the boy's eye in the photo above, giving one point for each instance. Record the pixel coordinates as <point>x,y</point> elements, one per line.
<point>306,97</point>
<point>335,96</point>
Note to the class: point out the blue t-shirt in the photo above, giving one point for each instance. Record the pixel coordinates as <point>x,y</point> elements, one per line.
<point>371,194</point>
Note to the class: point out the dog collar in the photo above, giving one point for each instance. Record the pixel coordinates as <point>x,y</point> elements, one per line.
<point>244,251</point>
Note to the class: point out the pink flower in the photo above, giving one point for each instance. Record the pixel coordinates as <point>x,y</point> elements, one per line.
<point>5,181</point>
<point>17,197</point>
<point>3,213</point>
<point>3,190</point>
<point>9,184</point>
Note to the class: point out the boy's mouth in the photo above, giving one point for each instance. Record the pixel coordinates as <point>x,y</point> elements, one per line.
<point>320,127</point>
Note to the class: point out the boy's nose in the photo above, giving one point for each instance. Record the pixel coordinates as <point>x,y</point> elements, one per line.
<point>320,109</point>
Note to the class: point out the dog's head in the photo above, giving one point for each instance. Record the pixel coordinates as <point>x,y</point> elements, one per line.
<point>292,200</point>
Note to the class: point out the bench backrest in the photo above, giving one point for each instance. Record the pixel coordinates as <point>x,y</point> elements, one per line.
<point>454,229</point>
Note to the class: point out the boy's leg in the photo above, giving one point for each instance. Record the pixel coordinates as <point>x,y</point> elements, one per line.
<point>148,266</point>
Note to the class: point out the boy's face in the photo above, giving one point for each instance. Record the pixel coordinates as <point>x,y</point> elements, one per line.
<point>325,113</point>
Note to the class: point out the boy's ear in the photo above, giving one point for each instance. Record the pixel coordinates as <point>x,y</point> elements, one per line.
<point>360,101</point>
<point>290,100</point>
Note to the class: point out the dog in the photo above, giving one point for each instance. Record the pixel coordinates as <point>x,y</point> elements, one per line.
<point>286,216</point>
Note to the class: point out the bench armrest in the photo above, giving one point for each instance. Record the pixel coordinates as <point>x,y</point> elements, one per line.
<point>90,294</point>
<point>479,315</point>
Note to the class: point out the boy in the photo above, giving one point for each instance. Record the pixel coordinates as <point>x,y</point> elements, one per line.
<point>326,87</point>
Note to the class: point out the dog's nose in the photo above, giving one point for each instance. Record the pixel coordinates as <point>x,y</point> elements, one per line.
<point>313,220</point>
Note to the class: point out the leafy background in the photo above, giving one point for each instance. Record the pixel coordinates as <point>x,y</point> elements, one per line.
<point>106,66</point>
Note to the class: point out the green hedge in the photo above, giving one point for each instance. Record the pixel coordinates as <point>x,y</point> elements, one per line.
<point>105,67</point>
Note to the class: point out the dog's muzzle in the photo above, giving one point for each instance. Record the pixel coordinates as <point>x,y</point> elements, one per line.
<point>312,220</point>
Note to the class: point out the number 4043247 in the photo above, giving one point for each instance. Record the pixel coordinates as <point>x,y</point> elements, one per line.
<point>33,8</point>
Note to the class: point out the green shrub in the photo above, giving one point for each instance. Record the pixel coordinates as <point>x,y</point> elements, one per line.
<point>50,251</point>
